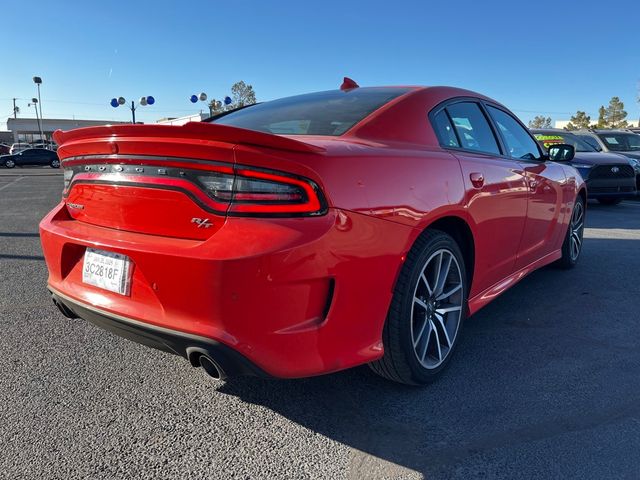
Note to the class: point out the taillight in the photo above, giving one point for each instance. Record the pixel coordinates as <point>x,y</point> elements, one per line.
<point>260,192</point>
<point>68,175</point>
<point>221,189</point>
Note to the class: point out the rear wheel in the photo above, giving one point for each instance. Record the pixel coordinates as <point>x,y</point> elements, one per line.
<point>572,245</point>
<point>9,164</point>
<point>426,313</point>
<point>609,201</point>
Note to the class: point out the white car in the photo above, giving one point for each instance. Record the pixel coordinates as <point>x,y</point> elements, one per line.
<point>19,147</point>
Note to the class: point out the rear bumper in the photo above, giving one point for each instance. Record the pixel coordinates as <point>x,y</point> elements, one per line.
<point>167,340</point>
<point>294,297</point>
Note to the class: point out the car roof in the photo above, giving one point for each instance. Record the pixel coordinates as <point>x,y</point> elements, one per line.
<point>551,130</point>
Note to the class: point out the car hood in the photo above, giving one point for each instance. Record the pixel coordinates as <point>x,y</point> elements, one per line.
<point>599,158</point>
<point>635,155</point>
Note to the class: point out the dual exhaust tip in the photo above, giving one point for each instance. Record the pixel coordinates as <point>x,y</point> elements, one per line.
<point>198,357</point>
<point>212,368</point>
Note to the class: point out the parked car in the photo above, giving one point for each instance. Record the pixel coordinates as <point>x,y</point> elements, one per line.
<point>31,156</point>
<point>609,176</point>
<point>18,147</point>
<point>624,142</point>
<point>367,234</point>
<point>4,149</point>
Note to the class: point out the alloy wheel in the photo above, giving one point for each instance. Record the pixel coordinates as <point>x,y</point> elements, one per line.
<point>437,308</point>
<point>577,230</point>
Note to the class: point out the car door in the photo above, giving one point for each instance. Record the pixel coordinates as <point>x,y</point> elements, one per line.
<point>496,192</point>
<point>544,179</point>
<point>31,157</point>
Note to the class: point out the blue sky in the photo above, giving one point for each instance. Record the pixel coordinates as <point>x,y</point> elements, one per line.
<point>545,57</point>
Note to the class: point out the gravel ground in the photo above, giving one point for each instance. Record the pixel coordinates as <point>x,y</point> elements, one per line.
<point>545,384</point>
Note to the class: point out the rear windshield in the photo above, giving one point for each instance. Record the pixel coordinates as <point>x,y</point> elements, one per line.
<point>548,139</point>
<point>621,142</point>
<point>322,113</point>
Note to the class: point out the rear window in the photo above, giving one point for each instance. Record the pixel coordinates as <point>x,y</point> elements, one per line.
<point>328,113</point>
<point>621,142</point>
<point>548,139</point>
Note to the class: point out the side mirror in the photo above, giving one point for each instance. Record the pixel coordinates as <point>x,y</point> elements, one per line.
<point>561,152</point>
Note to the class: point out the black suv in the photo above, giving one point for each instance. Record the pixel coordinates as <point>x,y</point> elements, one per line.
<point>624,142</point>
<point>31,156</point>
<point>610,177</point>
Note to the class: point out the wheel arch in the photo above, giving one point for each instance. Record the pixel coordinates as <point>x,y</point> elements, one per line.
<point>460,230</point>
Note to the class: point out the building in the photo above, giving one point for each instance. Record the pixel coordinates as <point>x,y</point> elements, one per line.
<point>28,130</point>
<point>196,117</point>
<point>564,123</point>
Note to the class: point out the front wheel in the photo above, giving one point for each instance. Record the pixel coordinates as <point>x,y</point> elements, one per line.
<point>572,246</point>
<point>9,164</point>
<point>55,163</point>
<point>426,313</point>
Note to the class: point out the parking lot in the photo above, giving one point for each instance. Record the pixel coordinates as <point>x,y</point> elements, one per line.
<point>545,384</point>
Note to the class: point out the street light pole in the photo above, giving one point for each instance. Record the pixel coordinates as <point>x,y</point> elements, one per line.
<point>38,82</point>
<point>34,102</point>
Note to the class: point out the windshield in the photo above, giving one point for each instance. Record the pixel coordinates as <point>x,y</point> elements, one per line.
<point>621,142</point>
<point>324,113</point>
<point>547,139</point>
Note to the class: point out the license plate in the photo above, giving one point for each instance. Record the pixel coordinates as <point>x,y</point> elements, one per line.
<point>107,270</point>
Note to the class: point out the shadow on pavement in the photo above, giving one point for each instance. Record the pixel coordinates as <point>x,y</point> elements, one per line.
<point>531,368</point>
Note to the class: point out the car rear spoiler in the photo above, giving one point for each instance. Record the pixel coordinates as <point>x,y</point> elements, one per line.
<point>194,130</point>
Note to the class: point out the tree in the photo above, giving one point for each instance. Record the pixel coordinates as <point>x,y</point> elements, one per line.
<point>578,121</point>
<point>615,115</point>
<point>540,121</point>
<point>241,95</point>
<point>602,121</point>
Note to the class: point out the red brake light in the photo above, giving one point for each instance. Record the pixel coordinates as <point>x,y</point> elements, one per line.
<point>260,192</point>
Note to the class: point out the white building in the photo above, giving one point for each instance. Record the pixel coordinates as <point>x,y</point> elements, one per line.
<point>28,130</point>
<point>196,117</point>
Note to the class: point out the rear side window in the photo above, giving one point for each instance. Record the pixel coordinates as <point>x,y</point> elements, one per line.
<point>518,141</point>
<point>472,127</point>
<point>444,130</point>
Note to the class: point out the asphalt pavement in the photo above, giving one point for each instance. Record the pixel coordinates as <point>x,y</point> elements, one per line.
<point>545,384</point>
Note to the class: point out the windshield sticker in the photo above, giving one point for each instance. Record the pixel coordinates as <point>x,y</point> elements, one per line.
<point>611,140</point>
<point>548,140</point>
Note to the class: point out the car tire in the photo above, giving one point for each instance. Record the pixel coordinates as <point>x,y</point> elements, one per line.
<point>9,163</point>
<point>609,201</point>
<point>55,163</point>
<point>425,319</point>
<point>572,245</point>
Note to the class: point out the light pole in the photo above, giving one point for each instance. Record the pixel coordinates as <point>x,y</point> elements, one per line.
<point>116,102</point>
<point>38,82</point>
<point>34,102</point>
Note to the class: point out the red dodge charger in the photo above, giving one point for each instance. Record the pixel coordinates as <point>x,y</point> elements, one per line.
<point>309,234</point>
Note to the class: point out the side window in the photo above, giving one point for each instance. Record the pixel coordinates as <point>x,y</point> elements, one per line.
<point>444,130</point>
<point>518,141</point>
<point>472,127</point>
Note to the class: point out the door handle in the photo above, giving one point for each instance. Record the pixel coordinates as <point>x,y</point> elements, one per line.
<point>477,179</point>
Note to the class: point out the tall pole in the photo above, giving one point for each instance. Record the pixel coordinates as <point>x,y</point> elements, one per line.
<point>39,124</point>
<point>133,111</point>
<point>39,101</point>
<point>15,109</point>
